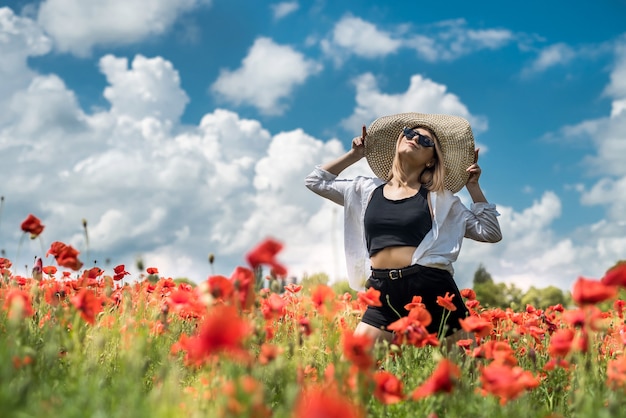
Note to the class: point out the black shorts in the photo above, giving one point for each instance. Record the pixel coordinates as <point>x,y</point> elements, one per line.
<point>427,282</point>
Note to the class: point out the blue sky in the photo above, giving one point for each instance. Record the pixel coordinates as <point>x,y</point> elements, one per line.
<point>180,128</point>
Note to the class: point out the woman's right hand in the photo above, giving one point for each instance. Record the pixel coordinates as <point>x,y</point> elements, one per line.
<point>358,144</point>
<point>355,154</point>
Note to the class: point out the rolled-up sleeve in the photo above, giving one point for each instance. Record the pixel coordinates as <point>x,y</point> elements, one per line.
<point>482,223</point>
<point>327,185</point>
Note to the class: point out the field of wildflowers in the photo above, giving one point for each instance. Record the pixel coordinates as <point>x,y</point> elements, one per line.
<point>81,342</point>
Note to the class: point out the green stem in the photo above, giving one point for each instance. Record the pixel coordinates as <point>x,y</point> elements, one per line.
<point>444,320</point>
<point>86,238</point>
<point>391,306</point>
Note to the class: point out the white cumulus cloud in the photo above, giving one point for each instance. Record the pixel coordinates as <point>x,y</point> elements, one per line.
<point>20,38</point>
<point>423,95</point>
<point>151,87</point>
<point>266,78</point>
<point>452,39</point>
<point>355,36</point>
<point>283,9</point>
<point>77,26</point>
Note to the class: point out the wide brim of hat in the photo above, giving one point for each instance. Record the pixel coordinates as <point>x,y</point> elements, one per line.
<point>454,134</point>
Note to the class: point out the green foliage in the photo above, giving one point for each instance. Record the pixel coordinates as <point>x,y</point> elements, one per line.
<point>502,295</point>
<point>482,276</point>
<point>314,280</point>
<point>185,280</point>
<point>126,363</point>
<point>341,287</point>
<point>548,296</point>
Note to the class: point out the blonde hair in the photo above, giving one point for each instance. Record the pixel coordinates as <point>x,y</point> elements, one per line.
<point>433,178</point>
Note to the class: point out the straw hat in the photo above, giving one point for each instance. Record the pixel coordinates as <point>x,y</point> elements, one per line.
<point>454,134</point>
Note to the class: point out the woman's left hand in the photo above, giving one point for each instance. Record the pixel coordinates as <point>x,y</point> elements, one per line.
<point>474,169</point>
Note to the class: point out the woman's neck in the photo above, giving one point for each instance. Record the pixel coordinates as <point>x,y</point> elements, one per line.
<point>411,182</point>
<point>412,179</point>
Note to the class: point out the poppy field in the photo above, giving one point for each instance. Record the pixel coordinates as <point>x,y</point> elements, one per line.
<point>89,342</point>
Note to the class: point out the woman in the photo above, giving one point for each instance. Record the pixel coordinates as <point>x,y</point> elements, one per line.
<point>404,229</point>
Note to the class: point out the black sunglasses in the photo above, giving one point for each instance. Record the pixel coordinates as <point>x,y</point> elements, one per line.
<point>421,139</point>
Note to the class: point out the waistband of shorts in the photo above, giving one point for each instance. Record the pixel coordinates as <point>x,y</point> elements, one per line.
<point>394,274</point>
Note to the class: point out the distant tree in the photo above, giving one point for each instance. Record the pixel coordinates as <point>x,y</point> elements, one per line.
<point>551,296</point>
<point>342,286</point>
<point>482,275</point>
<point>489,294</point>
<point>314,280</point>
<point>531,297</point>
<point>513,296</point>
<point>185,280</point>
<point>545,297</point>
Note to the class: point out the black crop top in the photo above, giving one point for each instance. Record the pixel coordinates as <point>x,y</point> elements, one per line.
<point>391,223</point>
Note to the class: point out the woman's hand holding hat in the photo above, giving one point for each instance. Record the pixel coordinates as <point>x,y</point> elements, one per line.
<point>474,169</point>
<point>356,152</point>
<point>358,144</point>
<point>472,185</point>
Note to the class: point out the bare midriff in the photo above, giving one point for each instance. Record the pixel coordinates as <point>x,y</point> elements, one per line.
<point>392,258</point>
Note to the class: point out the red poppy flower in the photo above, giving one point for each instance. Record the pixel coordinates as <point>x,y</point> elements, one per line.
<point>321,294</point>
<point>273,307</point>
<point>181,301</point>
<point>318,402</point>
<point>293,288</point>
<point>468,294</point>
<point>561,342</point>
<point>18,303</point>
<point>152,270</point>
<point>33,226</point>
<point>416,302</point>
<point>616,372</point>
<point>557,308</point>
<point>499,351</point>
<point>443,379</point>
<point>243,284</point>
<point>269,352</point>
<point>446,302</point>
<point>388,388</point>
<point>371,297</point>
<point>93,273</point>
<point>411,329</point>
<point>265,254</point>
<point>65,255</point>
<point>505,381</point>
<point>54,292</point>
<point>465,344</point>
<point>472,304</point>
<point>358,349</point>
<point>305,326</point>
<point>49,270</point>
<point>120,272</point>
<point>481,327</point>
<point>220,287</point>
<point>420,315</point>
<point>5,263</point>
<point>616,276</point>
<point>88,304</point>
<point>590,292</point>
<point>223,330</point>
<point>619,305</point>
<point>589,315</point>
